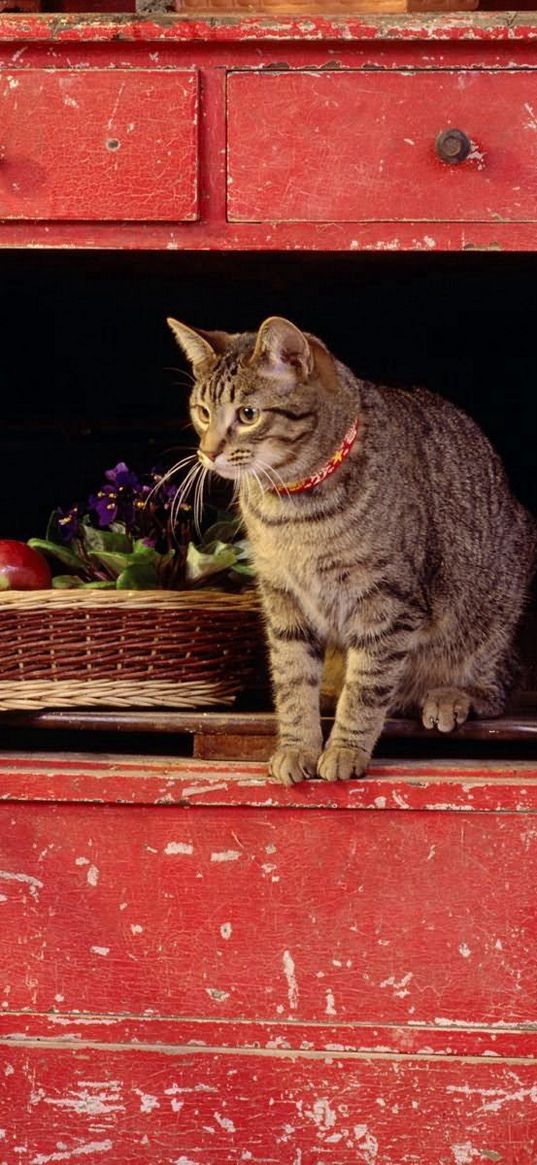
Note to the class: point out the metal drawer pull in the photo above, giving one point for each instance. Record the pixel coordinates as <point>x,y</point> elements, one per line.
<point>452,145</point>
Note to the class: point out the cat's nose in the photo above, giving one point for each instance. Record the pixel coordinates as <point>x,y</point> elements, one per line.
<point>210,448</point>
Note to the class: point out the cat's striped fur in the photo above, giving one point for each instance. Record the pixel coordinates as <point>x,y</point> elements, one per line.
<point>413,556</point>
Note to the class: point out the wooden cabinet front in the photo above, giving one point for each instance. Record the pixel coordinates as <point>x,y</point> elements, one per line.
<point>363,147</point>
<point>197,965</point>
<point>96,145</point>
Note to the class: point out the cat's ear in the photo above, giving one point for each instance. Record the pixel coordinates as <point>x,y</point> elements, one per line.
<point>201,348</point>
<point>283,352</point>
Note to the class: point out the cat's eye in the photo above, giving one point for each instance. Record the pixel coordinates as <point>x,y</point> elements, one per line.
<point>203,414</point>
<point>247,415</point>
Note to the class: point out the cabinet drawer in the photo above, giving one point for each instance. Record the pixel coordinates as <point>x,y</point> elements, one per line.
<point>98,144</point>
<point>360,147</point>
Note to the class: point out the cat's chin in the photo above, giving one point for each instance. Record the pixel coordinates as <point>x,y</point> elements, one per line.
<point>229,472</point>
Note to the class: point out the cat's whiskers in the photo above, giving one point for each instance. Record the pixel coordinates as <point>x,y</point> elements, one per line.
<point>166,477</point>
<point>184,489</point>
<point>198,498</point>
<point>182,373</point>
<point>246,481</point>
<point>276,481</point>
<point>238,485</point>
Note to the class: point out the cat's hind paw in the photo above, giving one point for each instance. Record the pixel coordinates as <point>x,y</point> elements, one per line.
<point>292,765</point>
<point>445,709</point>
<point>340,764</point>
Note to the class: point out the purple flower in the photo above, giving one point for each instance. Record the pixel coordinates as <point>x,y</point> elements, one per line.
<point>120,498</point>
<point>166,488</point>
<point>105,503</point>
<point>67,523</point>
<point>121,477</point>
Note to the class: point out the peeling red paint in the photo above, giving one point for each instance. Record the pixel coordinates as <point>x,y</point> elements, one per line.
<point>51,199</point>
<point>270,974</point>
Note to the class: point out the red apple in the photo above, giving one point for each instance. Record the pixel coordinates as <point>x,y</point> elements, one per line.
<point>22,568</point>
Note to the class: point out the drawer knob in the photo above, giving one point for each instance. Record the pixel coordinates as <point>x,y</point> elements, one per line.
<point>452,145</point>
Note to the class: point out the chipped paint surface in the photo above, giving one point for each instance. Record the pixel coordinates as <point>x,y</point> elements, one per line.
<point>455,27</point>
<point>272,1108</point>
<point>292,985</point>
<point>96,111</point>
<point>325,121</point>
<point>334,1025</point>
<point>178,847</point>
<point>398,198</point>
<point>350,955</point>
<point>87,1150</point>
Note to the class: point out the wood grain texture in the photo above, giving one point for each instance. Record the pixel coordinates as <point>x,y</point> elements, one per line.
<point>279,8</point>
<point>205,8</point>
<point>341,8</point>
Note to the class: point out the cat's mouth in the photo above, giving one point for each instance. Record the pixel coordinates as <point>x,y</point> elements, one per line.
<point>241,468</point>
<point>220,465</point>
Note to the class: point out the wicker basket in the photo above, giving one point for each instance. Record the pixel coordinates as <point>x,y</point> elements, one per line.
<point>126,649</point>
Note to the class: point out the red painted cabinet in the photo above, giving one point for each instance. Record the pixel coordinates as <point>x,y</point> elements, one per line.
<point>263,135</point>
<point>198,967</point>
<point>360,147</point>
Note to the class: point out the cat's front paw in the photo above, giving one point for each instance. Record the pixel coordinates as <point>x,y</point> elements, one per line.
<point>291,765</point>
<point>340,764</point>
<point>445,709</point>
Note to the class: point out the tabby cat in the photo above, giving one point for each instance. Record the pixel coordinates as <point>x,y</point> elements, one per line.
<point>380,522</point>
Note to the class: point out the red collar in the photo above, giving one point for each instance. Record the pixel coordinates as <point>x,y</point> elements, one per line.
<point>307,483</point>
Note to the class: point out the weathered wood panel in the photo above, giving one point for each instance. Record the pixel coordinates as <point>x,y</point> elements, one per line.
<point>164,214</point>
<point>369,917</point>
<point>184,1108</point>
<point>154,1032</point>
<point>464,786</point>
<point>98,145</point>
<point>336,147</point>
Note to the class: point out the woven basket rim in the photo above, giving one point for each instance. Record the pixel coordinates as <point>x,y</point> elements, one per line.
<point>204,599</point>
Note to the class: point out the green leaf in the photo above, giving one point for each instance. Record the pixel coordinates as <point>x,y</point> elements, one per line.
<point>71,582</point>
<point>114,562</point>
<point>224,530</point>
<point>106,584</point>
<point>138,577</point>
<point>110,541</point>
<point>244,568</point>
<point>67,582</point>
<point>62,553</point>
<point>215,548</point>
<point>200,566</point>
<point>243,550</point>
<point>115,527</point>
<point>144,556</point>
<point>144,553</point>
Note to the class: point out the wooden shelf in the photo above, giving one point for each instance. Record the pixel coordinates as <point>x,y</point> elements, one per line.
<point>251,735</point>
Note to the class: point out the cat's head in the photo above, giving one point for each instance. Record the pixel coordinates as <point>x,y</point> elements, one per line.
<point>257,400</point>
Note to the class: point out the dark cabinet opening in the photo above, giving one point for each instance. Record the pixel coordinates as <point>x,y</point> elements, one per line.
<point>91,375</point>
